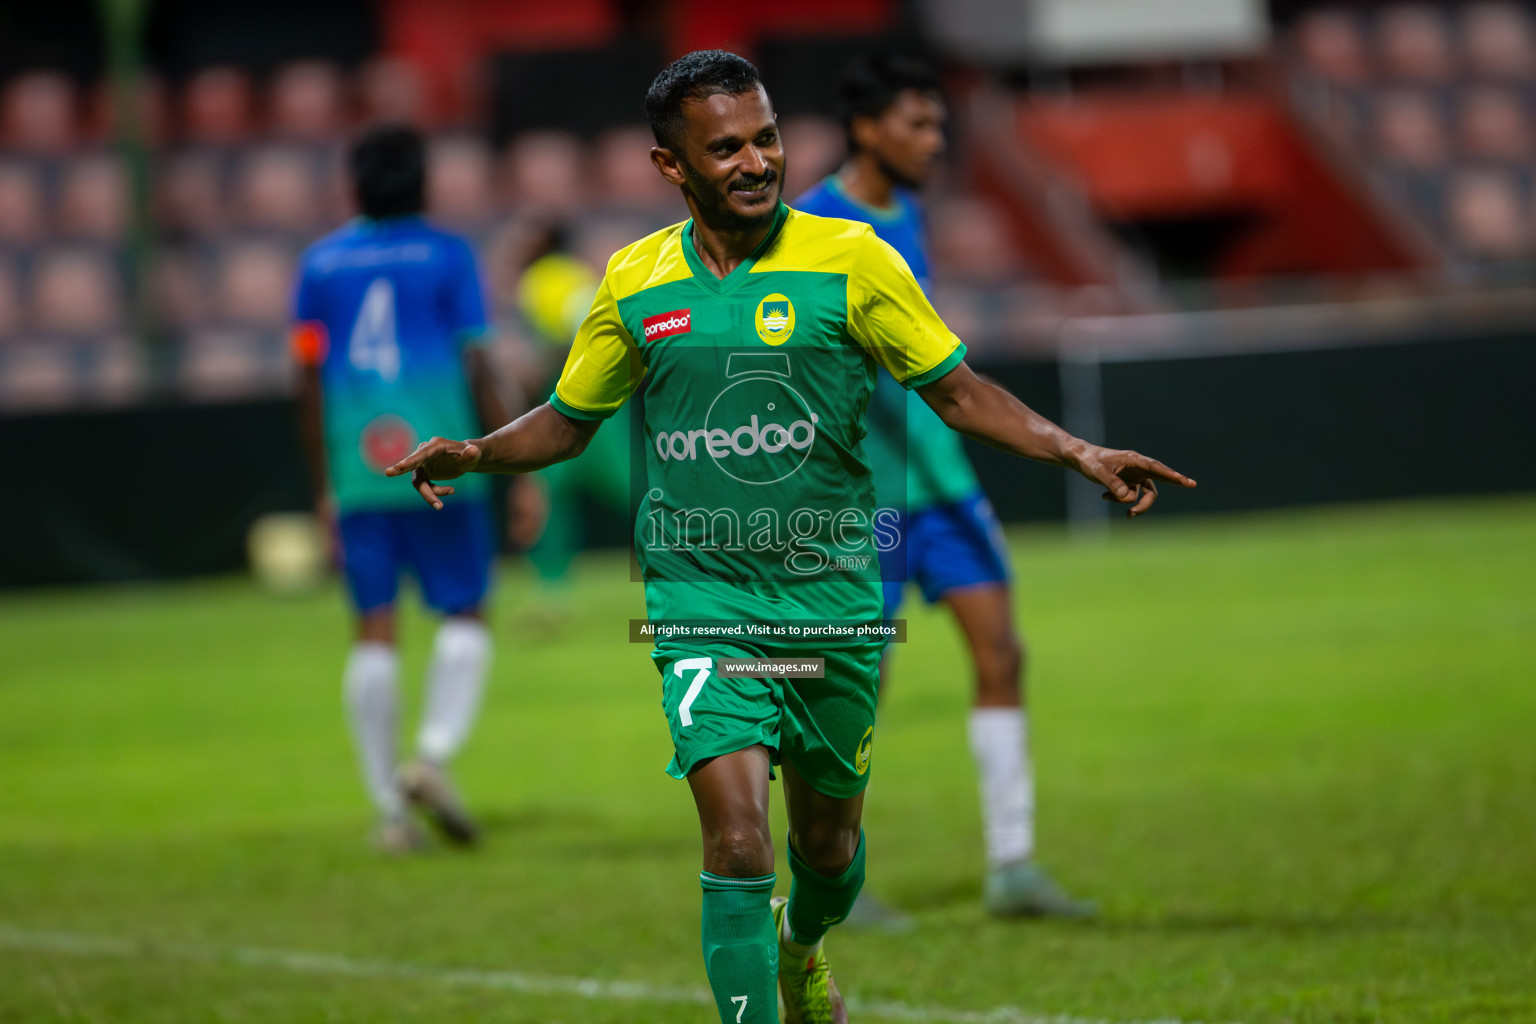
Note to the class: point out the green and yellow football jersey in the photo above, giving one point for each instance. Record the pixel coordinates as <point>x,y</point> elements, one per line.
<point>759,504</point>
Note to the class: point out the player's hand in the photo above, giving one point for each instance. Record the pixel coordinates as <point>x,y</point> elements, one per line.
<point>437,459</point>
<point>1130,478</point>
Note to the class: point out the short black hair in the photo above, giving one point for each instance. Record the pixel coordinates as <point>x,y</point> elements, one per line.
<point>389,171</point>
<point>694,76</point>
<point>872,82</point>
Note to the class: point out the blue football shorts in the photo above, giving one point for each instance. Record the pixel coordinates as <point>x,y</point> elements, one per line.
<point>944,548</point>
<point>448,550</point>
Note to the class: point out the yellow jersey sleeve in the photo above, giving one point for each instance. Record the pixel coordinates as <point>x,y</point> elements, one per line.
<point>890,316</point>
<point>604,366</point>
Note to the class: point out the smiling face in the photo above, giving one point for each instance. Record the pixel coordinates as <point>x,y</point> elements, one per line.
<point>729,161</point>
<point>907,139</point>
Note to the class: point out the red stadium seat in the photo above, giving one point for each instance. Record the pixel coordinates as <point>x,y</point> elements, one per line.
<point>1493,124</point>
<point>1332,47</point>
<point>542,171</point>
<point>93,199</point>
<point>277,188</point>
<point>37,376</point>
<point>76,292</point>
<point>1499,40</point>
<point>392,90</point>
<point>622,172</point>
<point>39,114</point>
<point>190,193</point>
<point>22,209</point>
<point>306,103</point>
<point>10,303</point>
<point>1409,130</point>
<point>1487,218</point>
<point>971,242</point>
<point>254,283</point>
<point>1414,43</point>
<point>460,182</point>
<point>818,146</point>
<point>216,106</point>
<point>223,365</point>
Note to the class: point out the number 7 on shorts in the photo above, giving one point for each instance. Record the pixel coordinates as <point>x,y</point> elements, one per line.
<point>702,666</point>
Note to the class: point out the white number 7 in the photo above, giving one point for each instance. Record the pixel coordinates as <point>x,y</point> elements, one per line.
<point>743,1001</point>
<point>684,711</point>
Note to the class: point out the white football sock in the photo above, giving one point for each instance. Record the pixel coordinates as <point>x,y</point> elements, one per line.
<point>461,655</point>
<point>372,696</point>
<point>1000,744</point>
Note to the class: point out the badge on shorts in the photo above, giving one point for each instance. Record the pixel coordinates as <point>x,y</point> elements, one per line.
<point>775,319</point>
<point>866,747</point>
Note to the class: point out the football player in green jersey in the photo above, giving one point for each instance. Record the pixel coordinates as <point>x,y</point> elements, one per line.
<point>761,330</point>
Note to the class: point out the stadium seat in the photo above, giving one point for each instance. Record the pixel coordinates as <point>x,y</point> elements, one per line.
<point>1498,40</point>
<point>1331,47</point>
<point>37,376</point>
<point>1486,216</point>
<point>1414,43</point>
<point>76,292</point>
<point>621,170</point>
<point>39,114</point>
<point>460,182</point>
<point>542,171</point>
<point>216,106</point>
<point>392,90</point>
<point>22,204</point>
<point>306,103</point>
<point>151,109</point>
<point>817,144</point>
<point>278,188</point>
<point>970,241</point>
<point>190,193</point>
<point>114,372</point>
<point>93,199</point>
<point>1410,130</point>
<point>223,365</point>
<point>1493,124</point>
<point>255,279</point>
<point>10,302</point>
<point>183,299</point>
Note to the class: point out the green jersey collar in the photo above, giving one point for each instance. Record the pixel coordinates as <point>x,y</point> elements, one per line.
<point>730,282</point>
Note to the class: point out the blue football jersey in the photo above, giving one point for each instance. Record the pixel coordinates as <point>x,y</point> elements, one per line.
<point>396,302</point>
<point>927,466</point>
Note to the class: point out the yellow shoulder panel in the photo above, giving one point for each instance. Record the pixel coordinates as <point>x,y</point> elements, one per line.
<point>827,245</point>
<point>656,259</point>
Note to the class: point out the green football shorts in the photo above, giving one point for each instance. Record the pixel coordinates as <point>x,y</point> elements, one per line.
<point>824,727</point>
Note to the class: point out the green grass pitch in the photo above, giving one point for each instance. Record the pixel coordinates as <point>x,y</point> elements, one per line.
<point>1292,755</point>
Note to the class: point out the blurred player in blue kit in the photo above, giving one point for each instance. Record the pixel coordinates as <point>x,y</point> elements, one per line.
<point>389,324</point>
<point>951,543</point>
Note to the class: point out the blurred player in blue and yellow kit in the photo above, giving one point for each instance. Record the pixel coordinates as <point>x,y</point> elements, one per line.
<point>389,316</point>
<point>554,293</point>
<point>951,542</point>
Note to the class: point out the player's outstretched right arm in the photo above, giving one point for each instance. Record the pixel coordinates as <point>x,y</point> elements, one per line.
<point>534,440</point>
<point>985,412</point>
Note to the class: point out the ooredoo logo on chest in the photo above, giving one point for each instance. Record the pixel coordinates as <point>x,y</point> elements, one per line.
<point>664,325</point>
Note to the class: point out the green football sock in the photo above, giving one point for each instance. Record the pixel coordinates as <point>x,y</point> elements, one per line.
<point>816,902</point>
<point>741,952</point>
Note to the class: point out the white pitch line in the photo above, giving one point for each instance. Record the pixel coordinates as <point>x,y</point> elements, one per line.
<point>512,981</point>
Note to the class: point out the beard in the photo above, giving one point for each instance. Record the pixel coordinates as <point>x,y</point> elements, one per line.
<point>715,204</point>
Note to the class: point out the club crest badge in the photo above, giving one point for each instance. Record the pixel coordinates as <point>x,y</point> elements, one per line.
<point>775,319</point>
<point>866,748</point>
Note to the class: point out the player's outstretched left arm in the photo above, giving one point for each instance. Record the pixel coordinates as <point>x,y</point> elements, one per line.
<point>534,440</point>
<point>985,412</point>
